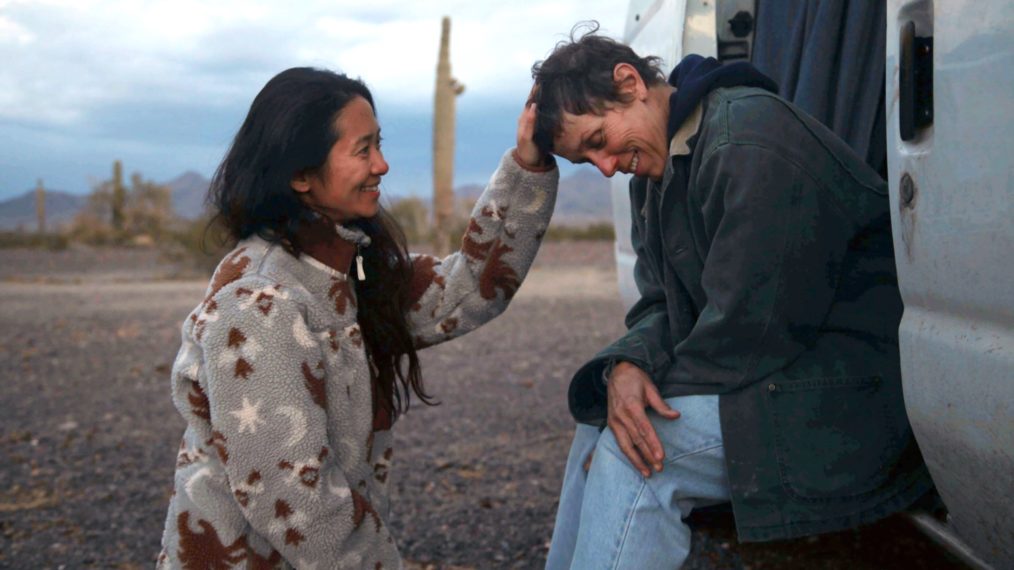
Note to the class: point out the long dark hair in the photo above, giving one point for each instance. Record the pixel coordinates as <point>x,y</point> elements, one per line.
<point>290,128</point>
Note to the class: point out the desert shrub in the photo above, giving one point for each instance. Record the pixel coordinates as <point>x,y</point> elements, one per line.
<point>93,224</point>
<point>148,210</point>
<point>141,215</point>
<point>601,231</point>
<point>414,218</point>
<point>50,241</point>
<point>201,243</point>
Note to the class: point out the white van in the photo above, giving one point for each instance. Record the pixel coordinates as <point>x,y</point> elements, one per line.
<point>947,124</point>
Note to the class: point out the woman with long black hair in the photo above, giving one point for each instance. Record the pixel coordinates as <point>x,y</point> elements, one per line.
<point>302,354</point>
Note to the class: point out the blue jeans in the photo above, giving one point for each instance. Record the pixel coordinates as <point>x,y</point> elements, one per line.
<point>612,517</point>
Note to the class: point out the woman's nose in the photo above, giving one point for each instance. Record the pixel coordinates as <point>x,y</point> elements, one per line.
<point>380,166</point>
<point>605,164</point>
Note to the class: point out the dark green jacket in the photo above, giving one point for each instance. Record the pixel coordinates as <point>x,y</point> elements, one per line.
<point>766,272</point>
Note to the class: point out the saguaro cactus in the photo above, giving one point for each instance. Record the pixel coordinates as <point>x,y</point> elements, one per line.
<point>40,206</point>
<point>119,197</point>
<point>447,89</point>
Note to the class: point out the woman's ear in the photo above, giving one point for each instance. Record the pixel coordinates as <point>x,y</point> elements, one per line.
<point>300,182</point>
<point>629,83</point>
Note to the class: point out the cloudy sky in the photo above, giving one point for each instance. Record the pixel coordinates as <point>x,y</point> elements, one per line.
<point>163,85</point>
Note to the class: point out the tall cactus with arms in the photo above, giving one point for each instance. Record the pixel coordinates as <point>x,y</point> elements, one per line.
<point>447,89</point>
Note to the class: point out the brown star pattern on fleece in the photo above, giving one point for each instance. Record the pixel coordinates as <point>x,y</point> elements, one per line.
<point>236,338</point>
<point>308,473</point>
<point>262,298</point>
<point>471,246</point>
<point>242,492</point>
<point>230,270</point>
<point>218,442</point>
<point>363,508</point>
<point>448,325</point>
<point>287,476</point>
<point>424,276</point>
<point>332,340</point>
<point>243,369</point>
<point>282,509</point>
<point>316,385</point>
<point>293,536</point>
<point>498,275</point>
<point>185,457</point>
<point>380,469</point>
<point>204,550</point>
<point>255,561</point>
<point>494,211</point>
<point>264,302</point>
<point>341,294</point>
<point>199,405</point>
<point>355,335</point>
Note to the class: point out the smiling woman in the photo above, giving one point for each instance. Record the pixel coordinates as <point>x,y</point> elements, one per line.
<point>609,119</point>
<point>348,187</point>
<point>293,369</point>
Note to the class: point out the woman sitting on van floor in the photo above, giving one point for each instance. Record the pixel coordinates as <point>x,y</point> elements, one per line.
<point>293,368</point>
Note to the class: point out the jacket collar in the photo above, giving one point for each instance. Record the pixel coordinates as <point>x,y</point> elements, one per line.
<point>697,76</point>
<point>678,144</point>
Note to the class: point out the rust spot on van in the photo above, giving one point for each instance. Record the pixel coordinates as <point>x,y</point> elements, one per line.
<point>907,195</point>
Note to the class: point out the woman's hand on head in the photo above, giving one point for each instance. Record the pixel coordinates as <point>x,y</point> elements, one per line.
<point>527,153</point>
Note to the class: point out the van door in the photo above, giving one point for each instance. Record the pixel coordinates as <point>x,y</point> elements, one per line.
<point>950,117</point>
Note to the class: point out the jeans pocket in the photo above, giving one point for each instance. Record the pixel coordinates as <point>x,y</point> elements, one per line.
<point>836,438</point>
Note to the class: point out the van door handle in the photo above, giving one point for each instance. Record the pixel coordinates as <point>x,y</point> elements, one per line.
<point>915,82</point>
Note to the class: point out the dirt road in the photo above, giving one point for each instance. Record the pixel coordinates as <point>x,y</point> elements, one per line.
<point>88,434</point>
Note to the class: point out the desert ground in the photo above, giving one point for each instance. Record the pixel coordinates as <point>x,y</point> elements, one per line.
<point>88,434</point>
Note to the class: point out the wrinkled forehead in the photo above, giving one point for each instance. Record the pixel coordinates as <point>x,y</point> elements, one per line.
<point>574,131</point>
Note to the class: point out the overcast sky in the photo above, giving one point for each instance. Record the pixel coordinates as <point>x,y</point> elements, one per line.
<point>163,85</point>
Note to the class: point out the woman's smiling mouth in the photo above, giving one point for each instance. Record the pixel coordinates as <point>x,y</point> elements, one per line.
<point>633,163</point>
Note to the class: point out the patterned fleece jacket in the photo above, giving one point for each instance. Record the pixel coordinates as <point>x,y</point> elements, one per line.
<point>282,463</point>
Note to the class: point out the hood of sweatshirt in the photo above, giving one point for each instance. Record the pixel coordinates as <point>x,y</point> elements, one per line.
<point>696,76</point>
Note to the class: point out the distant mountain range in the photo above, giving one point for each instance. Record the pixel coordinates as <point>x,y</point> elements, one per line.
<point>188,191</point>
<point>61,207</point>
<point>583,198</point>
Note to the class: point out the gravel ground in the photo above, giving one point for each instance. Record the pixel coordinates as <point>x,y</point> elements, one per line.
<point>88,434</point>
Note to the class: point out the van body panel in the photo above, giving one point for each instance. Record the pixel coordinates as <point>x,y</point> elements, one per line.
<point>952,201</point>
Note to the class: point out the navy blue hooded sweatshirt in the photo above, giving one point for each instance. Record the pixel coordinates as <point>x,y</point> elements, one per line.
<point>697,76</point>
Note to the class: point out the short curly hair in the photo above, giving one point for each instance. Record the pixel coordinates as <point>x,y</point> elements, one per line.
<point>577,78</point>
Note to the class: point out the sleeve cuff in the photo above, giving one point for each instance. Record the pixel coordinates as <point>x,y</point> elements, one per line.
<point>548,166</point>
